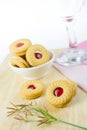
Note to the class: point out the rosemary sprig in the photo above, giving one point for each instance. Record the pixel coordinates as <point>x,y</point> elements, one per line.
<point>25,112</point>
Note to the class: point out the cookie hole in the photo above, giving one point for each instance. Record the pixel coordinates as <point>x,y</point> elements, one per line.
<point>58,91</point>
<point>31,87</point>
<point>38,55</point>
<point>17,66</point>
<point>20,44</point>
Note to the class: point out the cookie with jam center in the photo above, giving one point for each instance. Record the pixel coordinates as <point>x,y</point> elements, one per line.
<point>60,92</point>
<point>19,47</point>
<point>32,89</point>
<point>19,62</point>
<point>37,55</point>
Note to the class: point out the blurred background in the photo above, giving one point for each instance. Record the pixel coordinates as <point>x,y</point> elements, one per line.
<point>38,20</point>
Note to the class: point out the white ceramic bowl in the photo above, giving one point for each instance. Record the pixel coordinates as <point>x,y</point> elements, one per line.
<point>35,72</point>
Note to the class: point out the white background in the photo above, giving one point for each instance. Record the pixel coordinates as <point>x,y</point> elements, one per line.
<point>37,20</point>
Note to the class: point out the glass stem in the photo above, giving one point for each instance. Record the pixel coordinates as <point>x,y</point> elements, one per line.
<point>71,32</point>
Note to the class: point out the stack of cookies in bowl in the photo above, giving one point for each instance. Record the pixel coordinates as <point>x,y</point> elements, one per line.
<point>32,61</point>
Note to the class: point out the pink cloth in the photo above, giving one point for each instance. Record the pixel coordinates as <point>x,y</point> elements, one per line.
<point>75,73</point>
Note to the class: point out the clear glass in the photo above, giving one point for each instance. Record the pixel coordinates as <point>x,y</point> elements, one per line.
<point>73,55</point>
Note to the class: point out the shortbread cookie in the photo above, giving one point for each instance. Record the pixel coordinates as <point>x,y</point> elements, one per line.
<point>37,55</point>
<point>19,47</point>
<point>32,89</point>
<point>59,93</point>
<point>19,62</point>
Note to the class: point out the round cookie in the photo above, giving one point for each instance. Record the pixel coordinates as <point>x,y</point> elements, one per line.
<point>59,93</point>
<point>32,89</point>
<point>19,47</point>
<point>37,55</point>
<point>19,62</point>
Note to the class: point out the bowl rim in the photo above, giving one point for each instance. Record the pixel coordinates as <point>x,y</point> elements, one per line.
<point>36,67</point>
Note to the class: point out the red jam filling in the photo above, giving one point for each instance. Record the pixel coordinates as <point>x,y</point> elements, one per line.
<point>20,44</point>
<point>38,55</point>
<point>31,87</point>
<point>58,91</point>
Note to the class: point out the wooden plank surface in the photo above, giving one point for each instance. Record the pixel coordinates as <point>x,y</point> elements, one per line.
<point>75,112</point>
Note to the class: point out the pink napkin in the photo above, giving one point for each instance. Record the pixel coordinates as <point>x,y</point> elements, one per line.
<point>75,73</point>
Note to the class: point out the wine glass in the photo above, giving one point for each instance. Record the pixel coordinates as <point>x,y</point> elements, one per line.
<point>73,55</point>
